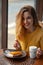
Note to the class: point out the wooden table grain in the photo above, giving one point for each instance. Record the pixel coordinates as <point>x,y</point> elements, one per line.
<point>24,61</point>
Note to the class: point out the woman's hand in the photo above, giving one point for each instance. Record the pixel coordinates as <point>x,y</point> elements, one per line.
<point>39,53</point>
<point>16,45</point>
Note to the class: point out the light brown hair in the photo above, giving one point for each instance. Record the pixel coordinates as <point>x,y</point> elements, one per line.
<point>20,30</point>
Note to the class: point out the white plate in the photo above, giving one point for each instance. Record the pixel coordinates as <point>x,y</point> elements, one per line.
<point>6,53</point>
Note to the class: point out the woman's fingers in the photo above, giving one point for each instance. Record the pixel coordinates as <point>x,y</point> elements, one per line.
<point>39,53</point>
<point>16,45</point>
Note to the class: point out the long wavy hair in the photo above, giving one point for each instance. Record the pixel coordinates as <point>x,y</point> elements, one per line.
<point>20,30</point>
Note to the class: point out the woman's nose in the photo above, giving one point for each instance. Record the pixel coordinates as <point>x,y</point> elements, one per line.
<point>25,21</point>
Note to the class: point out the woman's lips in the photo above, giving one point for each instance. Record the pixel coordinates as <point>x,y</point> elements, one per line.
<point>27,24</point>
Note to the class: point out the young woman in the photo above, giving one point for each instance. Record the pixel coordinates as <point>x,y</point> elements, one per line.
<point>28,31</point>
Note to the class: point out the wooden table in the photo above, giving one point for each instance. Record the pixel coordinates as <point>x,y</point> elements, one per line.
<point>23,61</point>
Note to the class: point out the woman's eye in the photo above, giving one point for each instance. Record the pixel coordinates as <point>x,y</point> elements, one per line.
<point>23,18</point>
<point>28,17</point>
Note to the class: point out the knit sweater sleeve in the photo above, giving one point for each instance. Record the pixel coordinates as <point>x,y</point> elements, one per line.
<point>41,43</point>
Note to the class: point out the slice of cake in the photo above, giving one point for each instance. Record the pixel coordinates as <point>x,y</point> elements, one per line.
<point>16,53</point>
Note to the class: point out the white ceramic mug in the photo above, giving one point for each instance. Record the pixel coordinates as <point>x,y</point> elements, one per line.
<point>32,51</point>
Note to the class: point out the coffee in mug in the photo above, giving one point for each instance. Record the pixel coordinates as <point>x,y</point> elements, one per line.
<point>32,51</point>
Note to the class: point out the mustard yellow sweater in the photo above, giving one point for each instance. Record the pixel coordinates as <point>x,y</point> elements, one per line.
<point>35,38</point>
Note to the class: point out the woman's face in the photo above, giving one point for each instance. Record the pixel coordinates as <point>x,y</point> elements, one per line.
<point>27,20</point>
